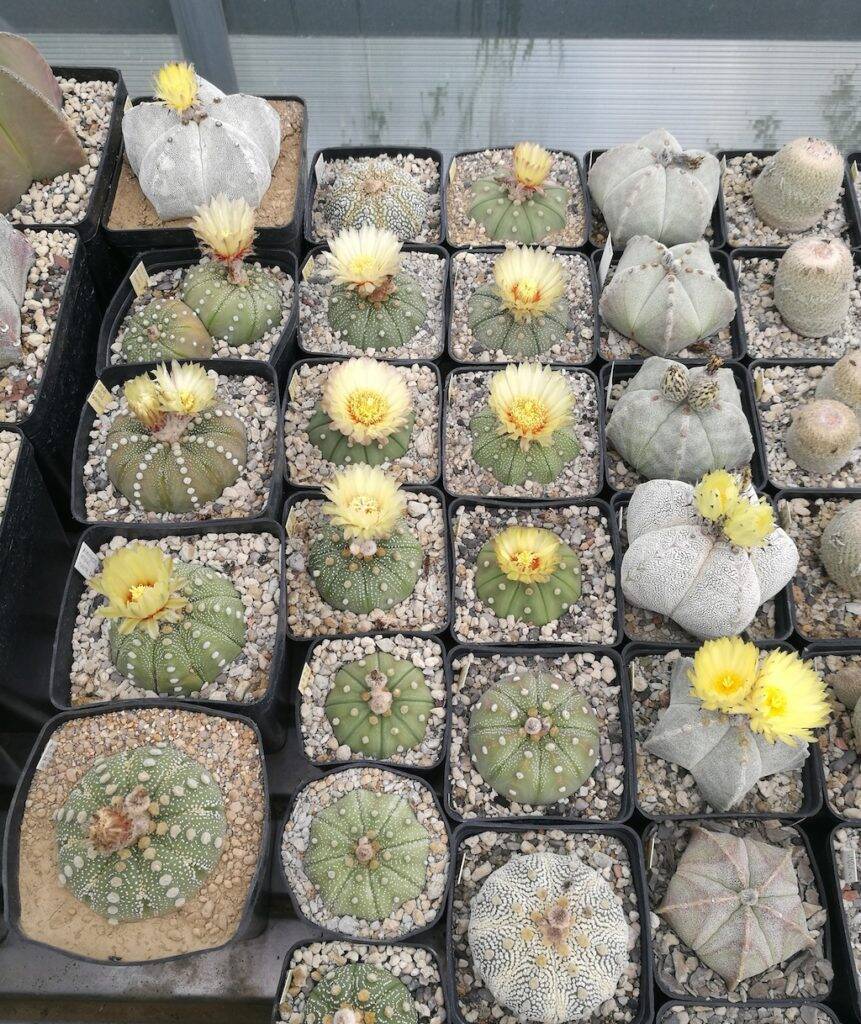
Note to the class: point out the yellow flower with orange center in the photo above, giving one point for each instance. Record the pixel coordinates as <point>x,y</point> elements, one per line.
<point>225,228</point>
<point>532,164</point>
<point>364,259</point>
<point>366,400</point>
<point>531,402</point>
<point>175,84</point>
<point>529,281</point>
<point>141,589</point>
<point>527,554</point>
<point>365,502</point>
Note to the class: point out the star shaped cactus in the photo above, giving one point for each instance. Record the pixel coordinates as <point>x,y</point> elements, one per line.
<point>379,194</point>
<point>360,994</point>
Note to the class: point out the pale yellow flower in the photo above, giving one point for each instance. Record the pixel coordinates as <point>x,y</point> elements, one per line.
<point>529,281</point>
<point>527,554</point>
<point>716,495</point>
<point>365,502</point>
<point>749,524</point>
<point>788,700</point>
<point>531,402</point>
<point>225,228</point>
<point>532,164</point>
<point>185,389</point>
<point>141,589</point>
<point>175,84</point>
<point>366,400</point>
<point>723,674</point>
<point>142,396</point>
<point>364,259</point>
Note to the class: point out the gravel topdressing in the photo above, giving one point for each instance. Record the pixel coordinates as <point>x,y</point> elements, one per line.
<point>10,444</point>
<point>807,1014</point>
<point>846,845</point>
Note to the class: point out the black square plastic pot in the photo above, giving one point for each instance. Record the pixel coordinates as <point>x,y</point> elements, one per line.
<point>130,241</point>
<point>170,259</point>
<point>718,239</point>
<point>624,370</point>
<point>359,762</point>
<point>848,996</point>
<point>625,835</point>
<point>584,190</point>
<point>595,320</point>
<point>114,375</point>
<point>266,712</point>
<point>323,248</point>
<point>254,915</point>
<point>734,1015</point>
<point>527,506</point>
<point>784,620</point>
<point>319,360</point>
<point>328,934</point>
<point>811,771</point>
<point>308,493</point>
<point>726,270</point>
<point>358,152</point>
<point>625,721</point>
<point>849,206</point>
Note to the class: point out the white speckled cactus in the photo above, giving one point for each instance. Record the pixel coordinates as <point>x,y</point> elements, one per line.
<point>360,994</point>
<point>842,382</point>
<point>16,258</point>
<point>653,187</point>
<point>666,299</point>
<point>548,937</point>
<point>798,184</point>
<point>164,329</point>
<point>377,193</point>
<point>677,423</point>
<point>812,284</point>
<point>840,549</point>
<point>822,436</point>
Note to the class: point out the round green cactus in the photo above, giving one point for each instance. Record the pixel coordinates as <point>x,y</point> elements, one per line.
<point>341,450</point>
<point>379,706</point>
<point>140,833</point>
<point>507,219</point>
<point>533,739</point>
<point>378,325</point>
<point>164,329</point>
<point>209,636</point>
<point>496,328</point>
<point>240,312</point>
<point>376,193</point>
<point>510,462</point>
<point>360,994</point>
<point>367,854</point>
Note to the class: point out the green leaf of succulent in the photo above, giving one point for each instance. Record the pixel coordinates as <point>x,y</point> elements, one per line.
<point>337,448</point>
<point>383,325</point>
<point>238,313</point>
<point>535,603</point>
<point>164,329</point>
<point>509,220</point>
<point>360,994</point>
<point>496,329</point>
<point>509,462</point>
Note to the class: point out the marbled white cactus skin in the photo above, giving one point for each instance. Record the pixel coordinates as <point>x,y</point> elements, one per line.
<point>735,902</point>
<point>140,833</point>
<point>798,184</point>
<point>367,854</point>
<point>666,299</point>
<point>548,937</point>
<point>840,549</point>
<point>379,706</point>
<point>533,739</point>
<point>495,328</point>
<point>360,994</point>
<point>506,217</point>
<point>379,193</point>
<point>812,286</point>
<point>723,754</point>
<point>240,313</point>
<point>182,659</point>
<point>842,382</point>
<point>822,436</point>
<point>341,450</point>
<point>17,256</point>
<point>653,187</point>
<point>164,329</point>
<point>513,464</point>
<point>676,423</point>
<point>378,325</point>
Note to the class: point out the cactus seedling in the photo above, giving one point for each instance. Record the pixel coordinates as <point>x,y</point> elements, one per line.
<point>377,194</point>
<point>822,436</point>
<point>840,549</point>
<point>798,184</point>
<point>164,329</point>
<point>523,205</point>
<point>360,994</point>
<point>140,833</point>
<point>176,448</point>
<point>16,258</point>
<point>812,285</point>
<point>842,382</point>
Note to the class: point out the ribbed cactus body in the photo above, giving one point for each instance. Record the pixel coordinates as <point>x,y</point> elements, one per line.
<point>535,603</point>
<point>378,193</point>
<point>812,286</point>
<point>510,462</point>
<point>381,325</point>
<point>842,382</point>
<point>239,313</point>
<point>360,994</point>
<point>16,258</point>
<point>140,833</point>
<point>846,685</point>
<point>533,739</point>
<point>195,651</point>
<point>495,328</point>
<point>164,329</point>
<point>337,448</point>
<point>367,854</point>
<point>822,436</point>
<point>840,549</point>
<point>507,218</point>
<point>798,184</point>
<point>666,299</point>
<point>379,706</point>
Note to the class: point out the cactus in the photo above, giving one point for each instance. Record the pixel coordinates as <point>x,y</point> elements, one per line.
<point>677,423</point>
<point>666,299</point>
<point>365,557</point>
<point>533,739</point>
<point>529,574</point>
<point>37,140</point>
<point>822,436</point>
<point>524,312</point>
<point>735,902</point>
<point>840,549</point>
<point>812,284</point>
<point>376,193</point>
<point>176,448</point>
<point>360,994</point>
<point>164,329</point>
<point>522,433</point>
<point>379,706</point>
<point>523,205</point>
<point>16,258</point>
<point>364,414</point>
<point>367,855</point>
<point>842,382</point>
<point>548,938</point>
<point>653,187</point>
<point>846,684</point>
<point>798,184</point>
<point>195,143</point>
<point>140,833</point>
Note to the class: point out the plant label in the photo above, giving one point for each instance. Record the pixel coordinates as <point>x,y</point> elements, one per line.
<point>606,260</point>
<point>139,278</point>
<point>87,563</point>
<point>100,398</point>
<point>307,268</point>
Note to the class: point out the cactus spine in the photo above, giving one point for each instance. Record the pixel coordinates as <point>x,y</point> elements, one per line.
<point>812,285</point>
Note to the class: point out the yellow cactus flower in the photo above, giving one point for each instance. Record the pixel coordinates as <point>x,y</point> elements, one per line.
<point>531,402</point>
<point>225,228</point>
<point>527,554</point>
<point>366,400</point>
<point>175,84</point>
<point>749,524</point>
<point>142,396</point>
<point>141,589</point>
<point>364,259</point>
<point>723,674</point>
<point>788,700</point>
<point>185,389</point>
<point>532,164</point>
<point>365,502</point>
<point>716,494</point>
<point>529,281</point>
